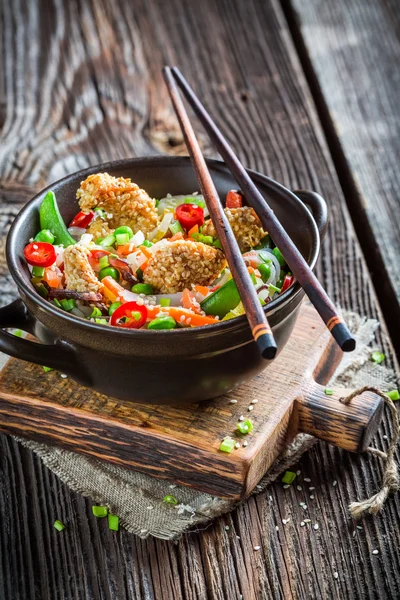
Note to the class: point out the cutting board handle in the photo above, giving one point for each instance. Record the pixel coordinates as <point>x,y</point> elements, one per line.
<point>350,426</point>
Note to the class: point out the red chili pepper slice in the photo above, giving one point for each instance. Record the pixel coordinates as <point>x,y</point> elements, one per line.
<point>134,315</point>
<point>189,215</point>
<point>287,282</point>
<point>82,219</point>
<point>234,199</point>
<point>40,254</point>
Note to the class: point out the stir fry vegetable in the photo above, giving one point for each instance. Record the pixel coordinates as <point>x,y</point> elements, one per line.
<point>129,261</point>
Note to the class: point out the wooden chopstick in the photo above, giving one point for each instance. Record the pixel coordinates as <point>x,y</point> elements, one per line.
<point>293,257</point>
<point>260,328</point>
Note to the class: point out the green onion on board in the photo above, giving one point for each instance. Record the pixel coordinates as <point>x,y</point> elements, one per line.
<point>113,522</point>
<point>100,511</point>
<point>170,500</point>
<point>289,477</point>
<point>377,357</point>
<point>58,525</point>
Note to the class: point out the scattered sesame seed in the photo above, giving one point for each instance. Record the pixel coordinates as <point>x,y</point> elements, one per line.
<point>298,472</point>
<point>144,531</point>
<point>316,526</point>
<point>35,247</point>
<point>286,486</point>
<point>238,537</point>
<point>276,528</point>
<point>257,547</point>
<point>304,506</point>
<point>232,401</point>
<point>172,486</point>
<point>354,534</point>
<point>302,524</point>
<point>311,488</point>
<point>385,437</point>
<point>245,444</point>
<point>375,551</point>
<point>299,488</point>
<point>312,497</point>
<point>241,418</point>
<point>334,483</point>
<point>149,507</point>
<point>250,408</point>
<point>336,575</point>
<point>237,445</point>
<point>359,527</point>
<point>307,480</point>
<point>284,521</point>
<point>254,401</point>
<point>307,520</point>
<point>269,497</point>
<point>227,527</point>
<point>63,376</point>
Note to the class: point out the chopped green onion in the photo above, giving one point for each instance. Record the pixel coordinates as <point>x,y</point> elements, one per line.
<point>114,307</point>
<point>147,244</point>
<point>100,511</point>
<point>42,290</point>
<point>101,321</point>
<point>58,525</point>
<point>245,426</point>
<point>98,241</point>
<point>176,227</point>
<point>217,244</point>
<point>289,477</point>
<point>104,262</point>
<point>204,239</point>
<point>38,271</point>
<point>57,303</point>
<point>109,272</point>
<point>47,369</point>
<point>328,391</point>
<point>253,278</point>
<point>113,522</point>
<point>170,500</point>
<point>194,200</point>
<point>227,445</point>
<point>272,289</point>
<point>109,240</point>
<point>279,256</point>
<point>393,395</point>
<point>124,229</point>
<point>165,302</point>
<point>96,312</point>
<point>377,357</point>
<point>45,236</point>
<point>68,304</point>
<point>265,270</point>
<point>164,322</point>
<point>17,333</point>
<point>122,239</point>
<point>143,288</point>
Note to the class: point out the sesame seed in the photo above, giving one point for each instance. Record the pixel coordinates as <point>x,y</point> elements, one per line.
<point>334,483</point>
<point>254,401</point>
<point>311,488</point>
<point>299,488</point>
<point>245,444</point>
<point>359,527</point>
<point>241,418</point>
<point>257,547</point>
<point>307,480</point>
<point>237,445</point>
<point>302,524</point>
<point>307,520</point>
<point>250,408</point>
<point>149,507</point>
<point>276,528</point>
<point>227,527</point>
<point>354,534</point>
<point>375,551</point>
<point>284,521</point>
<point>312,497</point>
<point>298,472</point>
<point>316,526</point>
<point>304,507</point>
<point>238,537</point>
<point>144,531</point>
<point>385,437</point>
<point>336,575</point>
<point>63,376</point>
<point>286,486</point>
<point>232,401</point>
<point>35,247</point>
<point>172,486</point>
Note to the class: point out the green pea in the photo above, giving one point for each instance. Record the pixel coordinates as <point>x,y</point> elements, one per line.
<point>147,244</point>
<point>279,283</point>
<point>279,256</point>
<point>162,323</point>
<point>45,236</point>
<point>265,270</point>
<point>143,288</point>
<point>124,229</point>
<point>109,272</point>
<point>114,307</point>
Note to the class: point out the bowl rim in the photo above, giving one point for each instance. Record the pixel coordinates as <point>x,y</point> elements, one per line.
<point>221,326</point>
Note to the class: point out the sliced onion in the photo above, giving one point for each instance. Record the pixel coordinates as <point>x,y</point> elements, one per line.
<point>136,260</point>
<point>77,312</point>
<point>226,276</point>
<point>59,255</point>
<point>263,293</point>
<point>86,239</point>
<point>137,239</point>
<point>76,231</point>
<point>159,232</point>
<point>271,256</point>
<point>86,310</point>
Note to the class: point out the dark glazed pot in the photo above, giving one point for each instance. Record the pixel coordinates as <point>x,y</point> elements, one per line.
<point>181,366</point>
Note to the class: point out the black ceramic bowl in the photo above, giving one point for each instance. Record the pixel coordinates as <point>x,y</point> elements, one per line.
<point>181,366</point>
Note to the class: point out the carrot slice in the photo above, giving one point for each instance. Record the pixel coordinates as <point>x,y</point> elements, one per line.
<point>146,251</point>
<point>202,289</point>
<point>189,301</point>
<point>52,279</point>
<point>177,313</point>
<point>195,229</point>
<point>176,236</point>
<point>112,289</point>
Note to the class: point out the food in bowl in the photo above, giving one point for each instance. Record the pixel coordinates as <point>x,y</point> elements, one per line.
<point>128,260</point>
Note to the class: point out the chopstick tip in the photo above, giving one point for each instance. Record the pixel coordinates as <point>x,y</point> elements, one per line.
<point>267,346</point>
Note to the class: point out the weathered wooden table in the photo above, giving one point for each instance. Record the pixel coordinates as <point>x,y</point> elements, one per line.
<point>308,97</point>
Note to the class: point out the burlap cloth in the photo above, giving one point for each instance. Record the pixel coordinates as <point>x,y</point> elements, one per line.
<point>138,499</point>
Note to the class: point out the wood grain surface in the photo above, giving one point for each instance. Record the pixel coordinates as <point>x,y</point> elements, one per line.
<point>181,444</point>
<point>80,83</point>
<point>351,52</point>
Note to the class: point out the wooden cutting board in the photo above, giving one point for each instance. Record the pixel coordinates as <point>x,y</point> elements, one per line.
<point>182,444</point>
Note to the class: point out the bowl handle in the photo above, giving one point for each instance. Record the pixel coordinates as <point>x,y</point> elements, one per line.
<point>61,355</point>
<point>317,207</point>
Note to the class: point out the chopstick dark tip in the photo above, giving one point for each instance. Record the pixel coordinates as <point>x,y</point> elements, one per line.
<point>343,337</point>
<point>267,346</point>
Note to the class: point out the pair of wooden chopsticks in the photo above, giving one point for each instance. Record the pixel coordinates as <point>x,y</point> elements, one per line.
<point>303,274</point>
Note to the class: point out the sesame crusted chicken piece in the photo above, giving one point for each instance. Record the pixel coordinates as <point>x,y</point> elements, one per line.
<point>245,225</point>
<point>78,272</point>
<point>99,229</point>
<point>177,265</point>
<point>122,199</point>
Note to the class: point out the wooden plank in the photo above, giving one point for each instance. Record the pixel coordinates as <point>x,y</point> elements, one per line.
<point>81,83</point>
<point>351,52</point>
